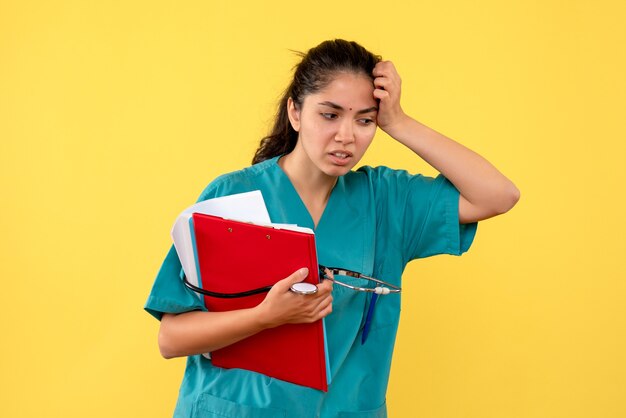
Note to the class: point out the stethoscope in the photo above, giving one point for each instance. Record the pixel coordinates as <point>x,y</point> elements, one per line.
<point>381,288</point>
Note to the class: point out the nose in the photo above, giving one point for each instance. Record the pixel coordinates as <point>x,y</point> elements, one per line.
<point>345,134</point>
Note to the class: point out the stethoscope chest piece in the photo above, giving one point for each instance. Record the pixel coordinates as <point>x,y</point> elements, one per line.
<point>303,288</point>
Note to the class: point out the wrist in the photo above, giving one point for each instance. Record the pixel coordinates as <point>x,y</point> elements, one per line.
<point>261,318</point>
<point>399,125</point>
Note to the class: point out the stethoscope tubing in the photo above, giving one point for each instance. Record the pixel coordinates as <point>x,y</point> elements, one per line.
<point>384,288</point>
<point>379,290</point>
<point>225,295</point>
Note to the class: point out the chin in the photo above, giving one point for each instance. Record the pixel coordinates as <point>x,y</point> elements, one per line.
<point>337,171</point>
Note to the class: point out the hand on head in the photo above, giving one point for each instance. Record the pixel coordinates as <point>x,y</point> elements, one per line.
<point>387,90</point>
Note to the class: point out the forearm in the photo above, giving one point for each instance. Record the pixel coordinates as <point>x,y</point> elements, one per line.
<point>477,180</point>
<point>201,332</point>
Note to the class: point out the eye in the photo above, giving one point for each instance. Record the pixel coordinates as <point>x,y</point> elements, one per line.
<point>366,121</point>
<point>329,115</point>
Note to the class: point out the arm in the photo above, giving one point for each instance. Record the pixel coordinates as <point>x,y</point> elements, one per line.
<point>485,192</point>
<point>201,332</point>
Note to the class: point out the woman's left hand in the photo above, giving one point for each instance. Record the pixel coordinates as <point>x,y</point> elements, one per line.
<point>387,85</point>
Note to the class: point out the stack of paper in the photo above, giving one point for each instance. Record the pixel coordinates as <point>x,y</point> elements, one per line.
<point>229,245</point>
<point>249,207</point>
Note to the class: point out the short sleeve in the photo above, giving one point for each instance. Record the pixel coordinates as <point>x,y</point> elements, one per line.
<point>431,221</point>
<point>169,294</point>
<point>418,215</point>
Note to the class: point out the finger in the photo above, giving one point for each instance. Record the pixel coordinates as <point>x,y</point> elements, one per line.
<point>327,301</point>
<point>321,294</point>
<point>314,312</point>
<point>325,311</point>
<point>382,82</point>
<point>384,68</point>
<point>380,68</point>
<point>381,94</point>
<point>325,286</point>
<point>296,277</point>
<point>390,79</point>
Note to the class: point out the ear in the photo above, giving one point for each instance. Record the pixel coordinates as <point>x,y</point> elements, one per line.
<point>294,114</point>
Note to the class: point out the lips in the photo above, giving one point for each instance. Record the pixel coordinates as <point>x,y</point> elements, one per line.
<point>341,154</point>
<point>340,157</point>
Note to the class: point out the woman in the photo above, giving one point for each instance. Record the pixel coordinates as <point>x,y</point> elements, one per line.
<point>373,220</point>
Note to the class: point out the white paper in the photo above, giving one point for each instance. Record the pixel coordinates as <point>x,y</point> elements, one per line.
<point>247,207</point>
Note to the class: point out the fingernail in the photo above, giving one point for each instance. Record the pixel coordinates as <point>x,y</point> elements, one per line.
<point>304,272</point>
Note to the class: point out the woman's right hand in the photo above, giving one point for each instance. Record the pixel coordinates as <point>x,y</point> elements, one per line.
<point>282,306</point>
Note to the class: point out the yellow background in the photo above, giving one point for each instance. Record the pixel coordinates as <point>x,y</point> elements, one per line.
<point>114,115</point>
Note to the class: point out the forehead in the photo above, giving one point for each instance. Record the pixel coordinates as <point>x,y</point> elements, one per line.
<point>348,90</point>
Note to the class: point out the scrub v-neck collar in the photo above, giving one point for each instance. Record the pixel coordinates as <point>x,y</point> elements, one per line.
<point>301,206</point>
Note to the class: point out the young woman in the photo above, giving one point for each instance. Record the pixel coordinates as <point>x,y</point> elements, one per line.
<point>372,220</point>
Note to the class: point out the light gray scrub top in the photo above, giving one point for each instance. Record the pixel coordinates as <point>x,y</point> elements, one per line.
<point>375,222</point>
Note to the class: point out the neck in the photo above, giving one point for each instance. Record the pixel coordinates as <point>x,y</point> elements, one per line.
<point>313,186</point>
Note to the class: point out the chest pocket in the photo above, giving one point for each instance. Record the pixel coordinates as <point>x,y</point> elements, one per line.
<point>209,406</point>
<point>387,309</point>
<point>352,304</point>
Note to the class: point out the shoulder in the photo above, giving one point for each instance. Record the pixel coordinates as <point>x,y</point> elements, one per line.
<point>396,187</point>
<point>382,177</point>
<point>238,181</point>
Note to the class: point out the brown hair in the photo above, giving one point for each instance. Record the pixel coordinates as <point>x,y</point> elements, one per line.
<point>312,74</point>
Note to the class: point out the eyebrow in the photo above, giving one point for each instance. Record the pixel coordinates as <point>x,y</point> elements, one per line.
<point>336,106</point>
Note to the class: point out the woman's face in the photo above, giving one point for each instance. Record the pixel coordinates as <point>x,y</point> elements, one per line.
<point>335,125</point>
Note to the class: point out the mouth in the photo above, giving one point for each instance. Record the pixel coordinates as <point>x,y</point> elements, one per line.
<point>341,154</point>
<point>340,157</point>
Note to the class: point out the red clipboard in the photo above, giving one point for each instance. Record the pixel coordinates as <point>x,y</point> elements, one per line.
<point>237,256</point>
